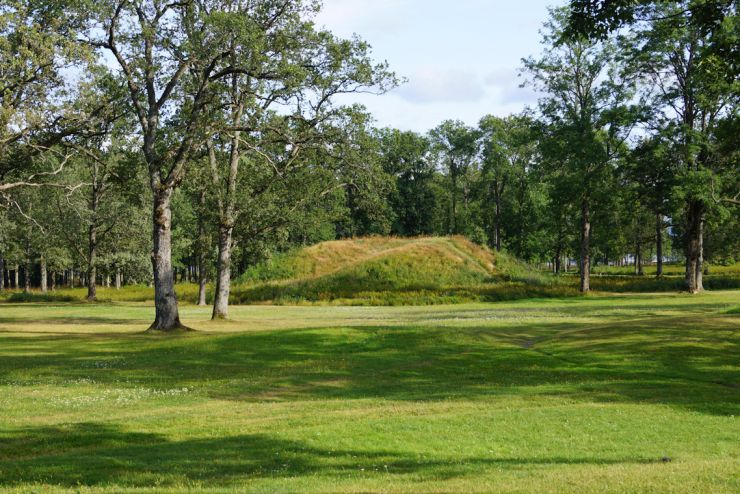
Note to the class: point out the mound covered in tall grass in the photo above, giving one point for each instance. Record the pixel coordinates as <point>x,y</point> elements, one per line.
<point>388,271</point>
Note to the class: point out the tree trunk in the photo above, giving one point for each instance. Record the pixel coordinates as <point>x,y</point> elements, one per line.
<point>92,255</point>
<point>167,317</point>
<point>2,274</point>
<point>497,222</point>
<point>53,278</point>
<point>694,246</point>
<point>16,277</point>
<point>453,219</point>
<point>659,244</point>
<point>638,258</point>
<point>44,285</point>
<point>118,278</point>
<point>202,258</point>
<point>27,277</point>
<point>585,247</point>
<point>223,276</point>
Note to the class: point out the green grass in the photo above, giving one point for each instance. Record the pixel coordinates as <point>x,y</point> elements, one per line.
<point>553,395</point>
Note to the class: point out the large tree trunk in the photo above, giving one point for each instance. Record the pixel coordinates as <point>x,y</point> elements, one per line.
<point>92,258</point>
<point>659,244</point>
<point>694,246</point>
<point>227,218</point>
<point>223,277</point>
<point>167,316</point>
<point>585,247</point>
<point>44,285</point>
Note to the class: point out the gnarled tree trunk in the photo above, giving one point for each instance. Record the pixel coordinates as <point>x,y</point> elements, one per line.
<point>167,316</point>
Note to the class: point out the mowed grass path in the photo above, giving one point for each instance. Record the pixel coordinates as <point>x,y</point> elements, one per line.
<point>558,395</point>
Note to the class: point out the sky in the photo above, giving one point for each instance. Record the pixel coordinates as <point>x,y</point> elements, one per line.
<point>461,58</point>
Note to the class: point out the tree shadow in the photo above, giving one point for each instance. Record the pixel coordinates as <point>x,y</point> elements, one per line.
<point>96,454</point>
<point>673,364</point>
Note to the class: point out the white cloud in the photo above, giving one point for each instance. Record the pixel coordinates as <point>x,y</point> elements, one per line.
<point>506,83</point>
<point>442,85</point>
<point>346,17</point>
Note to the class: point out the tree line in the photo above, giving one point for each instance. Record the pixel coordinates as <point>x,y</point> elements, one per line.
<point>152,141</point>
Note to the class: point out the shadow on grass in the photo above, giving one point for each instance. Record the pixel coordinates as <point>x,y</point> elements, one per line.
<point>95,454</point>
<point>688,363</point>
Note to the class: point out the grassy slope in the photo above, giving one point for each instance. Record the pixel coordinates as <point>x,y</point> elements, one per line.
<point>559,395</point>
<point>402,271</point>
<point>388,271</point>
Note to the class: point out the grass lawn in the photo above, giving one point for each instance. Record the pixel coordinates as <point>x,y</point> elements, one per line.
<point>557,395</point>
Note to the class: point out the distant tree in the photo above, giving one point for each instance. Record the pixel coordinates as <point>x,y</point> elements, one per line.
<point>457,147</point>
<point>584,108</point>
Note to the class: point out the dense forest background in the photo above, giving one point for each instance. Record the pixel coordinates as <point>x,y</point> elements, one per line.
<point>150,142</point>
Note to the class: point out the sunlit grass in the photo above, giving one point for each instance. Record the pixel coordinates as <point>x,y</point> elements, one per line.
<point>556,395</point>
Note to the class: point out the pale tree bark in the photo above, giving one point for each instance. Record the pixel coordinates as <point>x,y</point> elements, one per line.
<point>202,254</point>
<point>44,286</point>
<point>585,246</point>
<point>659,244</point>
<point>16,277</point>
<point>27,267</point>
<point>53,278</point>
<point>2,273</point>
<point>92,258</point>
<point>119,278</point>
<point>227,219</point>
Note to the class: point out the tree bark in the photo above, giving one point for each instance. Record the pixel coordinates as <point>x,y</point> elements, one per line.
<point>223,277</point>
<point>694,246</point>
<point>27,277</point>
<point>53,278</point>
<point>167,316</point>
<point>585,246</point>
<point>638,258</point>
<point>27,268</point>
<point>92,255</point>
<point>659,244</point>
<point>202,257</point>
<point>2,274</point>
<point>119,277</point>
<point>44,284</point>
<point>16,277</point>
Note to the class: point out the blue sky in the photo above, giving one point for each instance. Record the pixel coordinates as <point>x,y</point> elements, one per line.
<point>461,58</point>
